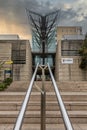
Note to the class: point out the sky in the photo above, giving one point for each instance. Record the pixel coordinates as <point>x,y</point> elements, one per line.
<point>14,20</point>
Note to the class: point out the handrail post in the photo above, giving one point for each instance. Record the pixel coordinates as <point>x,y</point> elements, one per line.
<point>64,113</point>
<point>43,113</point>
<point>43,102</point>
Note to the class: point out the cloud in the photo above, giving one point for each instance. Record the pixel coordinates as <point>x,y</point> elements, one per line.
<point>67,6</point>
<point>14,18</point>
<point>80,6</point>
<point>74,13</point>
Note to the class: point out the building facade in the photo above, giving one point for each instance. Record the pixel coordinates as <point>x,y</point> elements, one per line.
<point>18,60</point>
<point>70,40</point>
<point>15,58</point>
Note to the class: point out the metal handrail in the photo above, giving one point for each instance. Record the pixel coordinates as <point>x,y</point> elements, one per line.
<point>20,118</point>
<point>64,113</point>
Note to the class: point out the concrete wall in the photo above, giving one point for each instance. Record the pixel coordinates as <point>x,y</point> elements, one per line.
<point>68,30</point>
<point>23,72</point>
<point>9,37</point>
<point>67,72</point>
<point>20,71</point>
<point>5,55</point>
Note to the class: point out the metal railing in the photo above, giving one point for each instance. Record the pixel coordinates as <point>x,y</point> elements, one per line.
<point>64,113</point>
<point>63,110</point>
<point>20,118</point>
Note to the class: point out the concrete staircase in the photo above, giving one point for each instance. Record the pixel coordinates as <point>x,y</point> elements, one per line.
<point>74,95</point>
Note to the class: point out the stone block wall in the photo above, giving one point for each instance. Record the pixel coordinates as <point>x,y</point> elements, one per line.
<point>23,72</point>
<point>69,72</point>
<point>5,55</point>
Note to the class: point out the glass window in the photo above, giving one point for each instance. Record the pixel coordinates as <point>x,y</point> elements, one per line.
<point>70,48</point>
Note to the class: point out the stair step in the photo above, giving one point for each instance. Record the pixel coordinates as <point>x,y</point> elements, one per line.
<point>52,117</point>
<point>75,86</point>
<point>74,95</point>
<point>48,127</point>
<point>50,96</point>
<point>36,106</point>
<point>37,127</point>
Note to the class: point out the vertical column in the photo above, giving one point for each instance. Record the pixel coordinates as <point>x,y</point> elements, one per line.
<point>43,103</point>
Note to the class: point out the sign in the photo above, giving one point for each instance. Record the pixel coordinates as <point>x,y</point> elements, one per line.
<point>9,62</point>
<point>67,60</point>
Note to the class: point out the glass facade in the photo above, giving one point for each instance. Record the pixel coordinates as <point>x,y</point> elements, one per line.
<point>48,59</point>
<point>49,51</point>
<point>49,47</point>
